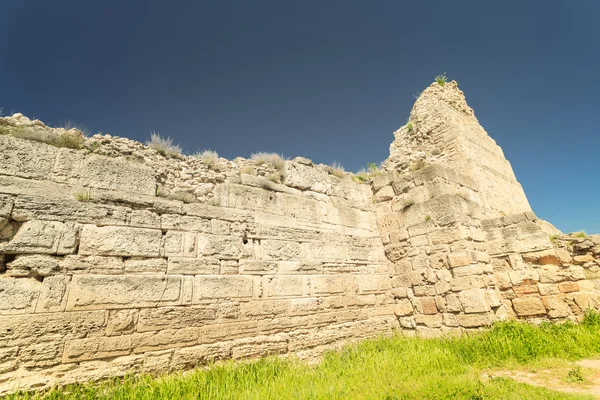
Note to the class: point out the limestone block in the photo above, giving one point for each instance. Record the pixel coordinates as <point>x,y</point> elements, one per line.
<point>43,237</point>
<point>568,287</point>
<point>26,158</point>
<point>426,305</point>
<point>189,357</point>
<point>330,284</point>
<point>284,250</point>
<point>185,223</point>
<point>474,320</point>
<point>467,270</point>
<point>259,267</point>
<point>453,303</point>
<point>403,308</point>
<point>306,178</point>
<point>33,265</point>
<point>233,330</point>
<point>97,348</point>
<point>120,241</point>
<point>67,165</point>
<point>76,264</point>
<point>374,283</point>
<point>459,259</point>
<point>222,287</point>
<point>139,265</point>
<point>557,306</point>
<point>18,295</point>
<point>385,194</point>
<point>48,208</point>
<point>144,219</point>
<point>229,267</point>
<point>40,355</point>
<point>430,321</point>
<point>224,247</point>
<point>221,213</point>
<point>53,294</point>
<point>548,289</point>
<point>384,179</point>
<point>6,206</point>
<point>581,260</point>
<point>121,322</point>
<point>529,306</point>
<point>117,174</point>
<point>165,339</point>
<point>283,286</point>
<point>259,346</point>
<point>193,266</point>
<point>91,292</point>
<point>183,244</point>
<point>20,330</point>
<point>8,359</point>
<point>474,301</point>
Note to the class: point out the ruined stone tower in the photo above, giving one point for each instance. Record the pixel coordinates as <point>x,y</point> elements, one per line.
<point>117,258</point>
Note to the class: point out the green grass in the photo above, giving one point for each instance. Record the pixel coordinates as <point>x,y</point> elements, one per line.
<point>385,368</point>
<point>441,79</point>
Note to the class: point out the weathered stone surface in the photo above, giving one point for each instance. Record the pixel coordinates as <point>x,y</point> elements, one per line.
<point>529,306</point>
<point>120,241</point>
<point>222,287</point>
<point>43,237</point>
<point>18,296</point>
<point>26,158</point>
<point>117,174</point>
<point>93,292</point>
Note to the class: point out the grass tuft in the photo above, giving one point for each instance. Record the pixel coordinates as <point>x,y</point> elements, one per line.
<point>580,234</point>
<point>208,157</point>
<point>338,170</point>
<point>269,158</point>
<point>441,79</point>
<point>69,139</point>
<point>396,367</point>
<point>83,195</point>
<point>163,145</point>
<point>409,126</point>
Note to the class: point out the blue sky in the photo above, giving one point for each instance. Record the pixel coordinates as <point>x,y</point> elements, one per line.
<point>329,79</point>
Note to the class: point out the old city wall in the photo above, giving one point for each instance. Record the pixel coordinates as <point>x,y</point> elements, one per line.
<point>116,258</point>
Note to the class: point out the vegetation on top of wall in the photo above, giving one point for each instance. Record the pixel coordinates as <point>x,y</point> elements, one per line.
<point>409,126</point>
<point>338,170</point>
<point>366,174</point>
<point>208,157</point>
<point>397,367</point>
<point>163,145</point>
<point>580,234</point>
<point>68,139</point>
<point>274,159</point>
<point>441,79</point>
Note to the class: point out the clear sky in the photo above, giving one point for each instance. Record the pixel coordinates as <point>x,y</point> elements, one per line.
<point>330,80</point>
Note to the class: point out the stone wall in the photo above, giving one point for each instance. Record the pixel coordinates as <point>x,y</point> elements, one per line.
<point>115,258</point>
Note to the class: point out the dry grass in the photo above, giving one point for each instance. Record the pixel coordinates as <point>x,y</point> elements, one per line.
<point>208,157</point>
<point>163,145</point>
<point>338,170</point>
<point>67,139</point>
<point>274,159</point>
<point>83,195</point>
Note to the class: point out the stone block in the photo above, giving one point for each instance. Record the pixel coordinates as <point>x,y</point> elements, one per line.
<point>557,306</point>
<point>18,295</point>
<point>43,237</point>
<point>120,241</point>
<point>403,308</point>
<point>182,244</point>
<point>283,286</point>
<point>117,174</point>
<point>121,322</point>
<point>374,283</point>
<point>259,267</point>
<point>139,265</point>
<point>474,301</point>
<point>332,284</point>
<point>222,287</point>
<point>568,287</point>
<point>97,348</point>
<point>26,158</point>
<point>529,306</point>
<point>187,223</point>
<point>91,292</point>
<point>193,266</point>
<point>105,265</point>
<point>474,320</point>
<point>459,259</point>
